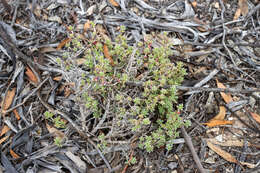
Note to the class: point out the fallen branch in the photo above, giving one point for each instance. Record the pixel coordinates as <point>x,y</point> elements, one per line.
<point>203,89</point>
<point>192,150</point>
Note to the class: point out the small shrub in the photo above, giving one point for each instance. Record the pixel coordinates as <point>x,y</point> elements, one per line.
<point>138,81</point>
<point>58,141</point>
<point>56,120</point>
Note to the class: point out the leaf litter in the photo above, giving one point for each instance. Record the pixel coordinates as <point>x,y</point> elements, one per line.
<point>216,41</point>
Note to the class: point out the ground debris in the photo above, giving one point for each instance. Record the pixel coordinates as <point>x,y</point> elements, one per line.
<point>45,125</point>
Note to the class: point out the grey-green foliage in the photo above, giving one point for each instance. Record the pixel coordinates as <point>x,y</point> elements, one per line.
<point>151,109</point>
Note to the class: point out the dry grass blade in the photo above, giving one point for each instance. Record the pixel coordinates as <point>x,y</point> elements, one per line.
<point>225,155</point>
<point>8,99</point>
